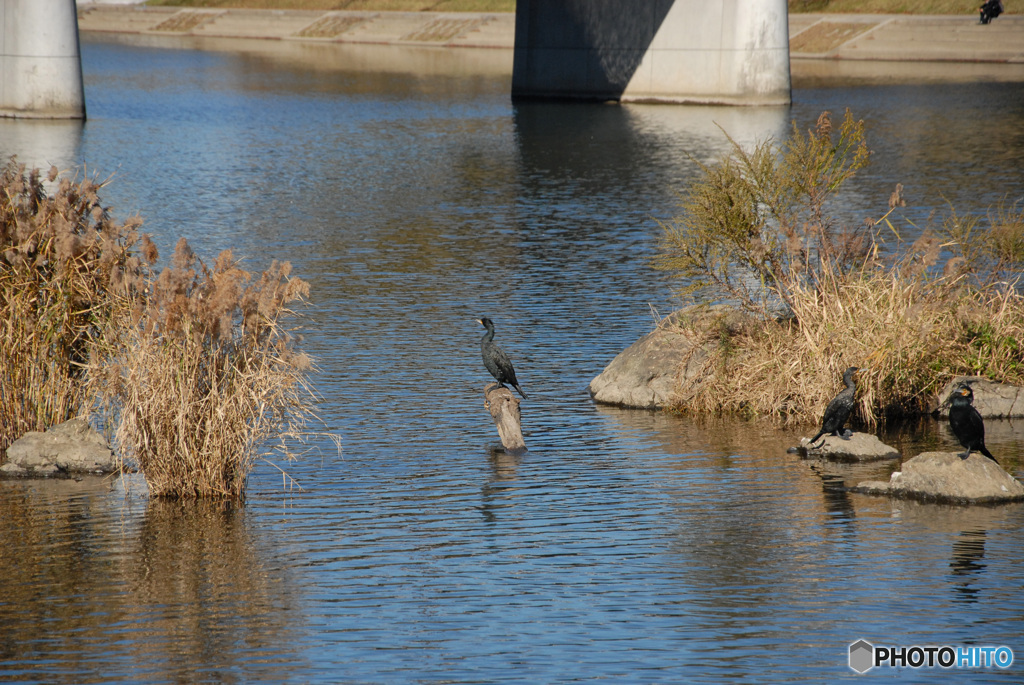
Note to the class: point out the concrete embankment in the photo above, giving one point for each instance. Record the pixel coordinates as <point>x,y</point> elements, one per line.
<point>857,37</point>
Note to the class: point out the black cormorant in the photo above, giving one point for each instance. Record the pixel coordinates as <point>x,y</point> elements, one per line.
<point>966,422</point>
<point>838,410</point>
<point>495,359</point>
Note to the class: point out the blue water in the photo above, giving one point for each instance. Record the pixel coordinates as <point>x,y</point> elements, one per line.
<point>625,546</point>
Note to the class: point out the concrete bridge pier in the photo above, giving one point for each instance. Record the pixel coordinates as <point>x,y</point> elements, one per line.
<point>678,51</point>
<point>40,60</point>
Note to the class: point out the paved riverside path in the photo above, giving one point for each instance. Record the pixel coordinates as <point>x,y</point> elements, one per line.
<point>898,37</point>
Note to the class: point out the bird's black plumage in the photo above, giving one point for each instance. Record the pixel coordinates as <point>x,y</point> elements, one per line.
<point>966,422</point>
<point>838,410</point>
<point>495,359</point>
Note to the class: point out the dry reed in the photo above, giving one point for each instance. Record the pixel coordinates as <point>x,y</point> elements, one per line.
<point>206,375</point>
<point>193,369</point>
<point>936,309</point>
<point>65,270</point>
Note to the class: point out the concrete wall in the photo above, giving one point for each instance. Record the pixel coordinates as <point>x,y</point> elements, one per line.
<point>40,63</point>
<point>700,51</point>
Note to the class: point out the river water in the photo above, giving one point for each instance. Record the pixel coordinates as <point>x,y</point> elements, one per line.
<point>625,546</point>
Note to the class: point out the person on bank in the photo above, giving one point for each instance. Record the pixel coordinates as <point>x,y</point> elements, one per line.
<point>990,9</point>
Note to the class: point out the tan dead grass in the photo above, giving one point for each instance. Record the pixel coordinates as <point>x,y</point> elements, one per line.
<point>206,375</point>
<point>193,369</point>
<point>65,269</point>
<point>947,305</point>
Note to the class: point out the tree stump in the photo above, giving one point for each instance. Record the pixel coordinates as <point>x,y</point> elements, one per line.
<point>504,408</point>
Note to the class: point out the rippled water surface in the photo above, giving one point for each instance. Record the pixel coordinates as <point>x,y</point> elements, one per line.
<point>625,546</point>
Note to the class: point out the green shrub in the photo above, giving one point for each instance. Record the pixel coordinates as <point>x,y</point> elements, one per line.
<point>758,225</point>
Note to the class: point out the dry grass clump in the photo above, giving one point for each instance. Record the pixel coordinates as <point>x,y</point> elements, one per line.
<point>65,270</point>
<point>206,374</point>
<point>824,297</point>
<point>193,368</point>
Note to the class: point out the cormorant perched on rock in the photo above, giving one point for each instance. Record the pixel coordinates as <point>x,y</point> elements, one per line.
<point>495,359</point>
<point>966,422</point>
<point>838,410</point>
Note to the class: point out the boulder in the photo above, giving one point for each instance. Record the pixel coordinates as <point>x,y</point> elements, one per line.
<point>644,374</point>
<point>855,447</point>
<point>648,373</point>
<point>992,400</point>
<point>946,477</point>
<point>70,448</point>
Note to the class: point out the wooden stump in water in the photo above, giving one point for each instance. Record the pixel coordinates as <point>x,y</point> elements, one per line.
<point>504,408</point>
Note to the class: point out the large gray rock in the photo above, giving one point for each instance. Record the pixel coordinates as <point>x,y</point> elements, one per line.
<point>648,373</point>
<point>945,477</point>
<point>69,448</point>
<point>857,447</point>
<point>644,375</point>
<point>991,399</point>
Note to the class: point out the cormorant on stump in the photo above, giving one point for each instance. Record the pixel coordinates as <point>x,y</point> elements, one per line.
<point>495,359</point>
<point>838,410</point>
<point>966,422</point>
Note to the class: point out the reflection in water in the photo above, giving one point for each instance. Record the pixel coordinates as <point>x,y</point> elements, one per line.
<point>168,591</point>
<point>40,143</point>
<point>973,560</point>
<point>968,553</point>
<point>837,498</point>
<point>59,545</point>
<point>495,492</point>
<point>504,464</point>
<point>601,148</point>
<point>498,491</point>
<point>364,59</point>
<point>204,597</point>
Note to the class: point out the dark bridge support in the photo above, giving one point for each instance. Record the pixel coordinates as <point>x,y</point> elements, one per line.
<point>680,51</point>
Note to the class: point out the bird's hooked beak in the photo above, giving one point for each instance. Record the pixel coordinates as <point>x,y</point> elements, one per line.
<point>962,390</point>
<point>479,321</point>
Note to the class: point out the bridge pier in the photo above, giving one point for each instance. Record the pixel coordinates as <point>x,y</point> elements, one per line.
<point>40,60</point>
<point>678,51</point>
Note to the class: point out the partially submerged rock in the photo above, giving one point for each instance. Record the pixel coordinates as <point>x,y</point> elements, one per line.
<point>856,447</point>
<point>644,375</point>
<point>72,447</point>
<point>946,477</point>
<point>648,373</point>
<point>992,400</point>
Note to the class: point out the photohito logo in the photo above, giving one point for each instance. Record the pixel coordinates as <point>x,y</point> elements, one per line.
<point>864,656</point>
